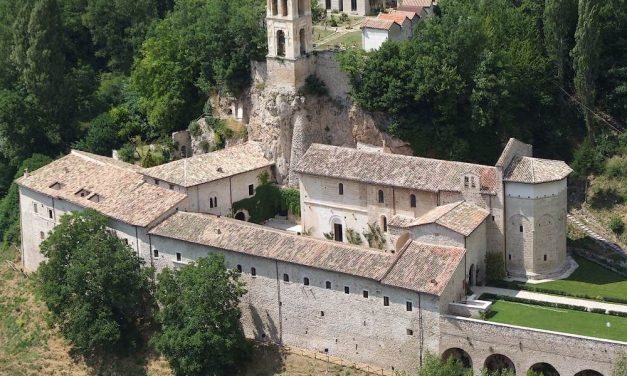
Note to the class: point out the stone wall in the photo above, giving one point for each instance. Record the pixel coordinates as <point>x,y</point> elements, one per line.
<point>346,325</point>
<point>525,347</point>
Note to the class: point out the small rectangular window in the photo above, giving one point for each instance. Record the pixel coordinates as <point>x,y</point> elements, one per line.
<point>253,272</point>
<point>171,187</point>
<point>386,301</point>
<point>327,285</point>
<point>322,313</point>
<point>286,277</point>
<point>466,181</point>
<point>521,228</point>
<point>409,306</point>
<point>239,268</point>
<point>179,257</point>
<point>347,290</point>
<point>365,293</point>
<point>306,281</point>
<point>42,235</point>
<point>341,189</point>
<point>251,189</point>
<point>35,207</point>
<point>156,182</point>
<point>155,253</point>
<point>492,218</point>
<point>410,332</point>
<point>509,256</point>
<point>51,213</point>
<point>544,257</point>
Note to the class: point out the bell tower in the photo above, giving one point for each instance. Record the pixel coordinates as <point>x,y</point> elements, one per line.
<point>290,32</point>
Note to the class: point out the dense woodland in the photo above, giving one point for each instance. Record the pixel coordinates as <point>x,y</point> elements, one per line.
<point>97,75</point>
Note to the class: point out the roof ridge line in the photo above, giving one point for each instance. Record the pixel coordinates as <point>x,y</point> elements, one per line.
<point>396,259</point>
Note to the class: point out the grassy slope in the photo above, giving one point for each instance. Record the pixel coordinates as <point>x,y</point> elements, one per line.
<point>590,279</point>
<point>28,346</point>
<point>560,320</point>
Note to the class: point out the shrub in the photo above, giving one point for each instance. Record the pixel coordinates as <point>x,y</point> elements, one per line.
<point>102,136</point>
<point>374,236</point>
<point>343,17</point>
<point>617,225</point>
<point>333,22</point>
<point>495,266</point>
<point>616,167</point>
<point>290,200</point>
<point>194,129</point>
<point>314,86</point>
<point>127,153</point>
<point>204,146</point>
<point>598,310</point>
<point>353,237</point>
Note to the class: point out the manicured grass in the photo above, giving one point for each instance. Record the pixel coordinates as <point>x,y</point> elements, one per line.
<point>590,279</point>
<point>350,39</point>
<point>560,320</point>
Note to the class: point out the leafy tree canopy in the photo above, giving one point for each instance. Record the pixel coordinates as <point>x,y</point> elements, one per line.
<point>93,284</point>
<point>199,317</point>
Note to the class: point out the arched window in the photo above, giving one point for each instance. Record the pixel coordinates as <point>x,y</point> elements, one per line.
<point>211,202</point>
<point>215,202</point>
<point>280,43</point>
<point>381,198</point>
<point>286,277</point>
<point>275,7</point>
<point>284,6</point>
<point>412,200</point>
<point>340,189</point>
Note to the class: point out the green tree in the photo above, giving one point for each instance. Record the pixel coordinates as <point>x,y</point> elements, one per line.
<point>434,366</point>
<point>10,204</point>
<point>495,266</point>
<point>199,317</point>
<point>560,21</point>
<point>586,55</point>
<point>173,75</point>
<point>620,366</point>
<point>102,136</point>
<point>93,284</point>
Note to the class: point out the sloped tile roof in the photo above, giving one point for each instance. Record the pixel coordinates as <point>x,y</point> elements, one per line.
<point>425,268</point>
<point>409,14</point>
<point>212,166</point>
<point>398,17</point>
<point>511,144</point>
<point>416,3</point>
<point>461,217</point>
<point>379,23</point>
<point>122,192</point>
<point>393,169</point>
<point>247,238</point>
<point>535,170</point>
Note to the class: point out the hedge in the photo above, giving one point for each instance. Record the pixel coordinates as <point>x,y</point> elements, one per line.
<point>522,286</point>
<point>493,297</point>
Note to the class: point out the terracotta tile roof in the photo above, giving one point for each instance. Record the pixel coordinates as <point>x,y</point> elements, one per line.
<point>416,3</point>
<point>397,17</point>
<point>114,188</point>
<point>535,170</point>
<point>425,268</point>
<point>461,217</point>
<point>212,166</point>
<point>393,169</point>
<point>511,144</point>
<point>378,23</point>
<point>409,14</point>
<point>411,9</point>
<point>243,237</point>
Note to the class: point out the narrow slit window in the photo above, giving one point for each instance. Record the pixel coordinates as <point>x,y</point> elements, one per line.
<point>251,189</point>
<point>521,228</point>
<point>327,285</point>
<point>239,268</point>
<point>365,293</point>
<point>386,301</point>
<point>35,207</point>
<point>545,257</point>
<point>347,290</point>
<point>340,189</point>
<point>179,257</point>
<point>253,272</point>
<point>286,277</point>
<point>412,201</point>
<point>155,253</point>
<point>50,213</point>
<point>409,306</point>
<point>381,197</point>
<point>306,281</point>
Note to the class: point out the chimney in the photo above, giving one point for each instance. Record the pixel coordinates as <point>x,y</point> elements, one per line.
<point>26,173</point>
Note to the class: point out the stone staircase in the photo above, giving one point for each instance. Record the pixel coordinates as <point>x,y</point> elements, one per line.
<point>582,224</point>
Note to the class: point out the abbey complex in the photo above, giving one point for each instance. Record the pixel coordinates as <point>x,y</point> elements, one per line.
<point>435,223</point>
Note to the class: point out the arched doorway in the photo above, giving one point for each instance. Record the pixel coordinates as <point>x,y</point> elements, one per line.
<point>498,362</point>
<point>588,372</point>
<point>544,369</point>
<point>303,43</point>
<point>458,354</point>
<point>240,216</point>
<point>280,43</point>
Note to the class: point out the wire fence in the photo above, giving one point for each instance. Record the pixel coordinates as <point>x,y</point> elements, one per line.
<point>325,357</point>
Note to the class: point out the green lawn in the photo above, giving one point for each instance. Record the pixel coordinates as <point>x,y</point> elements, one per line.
<point>560,320</point>
<point>350,39</point>
<point>590,279</point>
